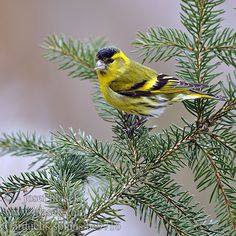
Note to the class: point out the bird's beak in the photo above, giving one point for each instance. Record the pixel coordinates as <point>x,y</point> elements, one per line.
<point>100,65</point>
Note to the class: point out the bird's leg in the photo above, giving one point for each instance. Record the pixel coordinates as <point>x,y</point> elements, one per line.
<point>141,120</point>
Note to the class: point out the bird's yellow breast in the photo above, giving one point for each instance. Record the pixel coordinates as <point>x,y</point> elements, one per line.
<point>115,99</point>
<point>115,80</point>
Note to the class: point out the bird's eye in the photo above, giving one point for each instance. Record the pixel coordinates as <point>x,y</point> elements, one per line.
<point>109,61</point>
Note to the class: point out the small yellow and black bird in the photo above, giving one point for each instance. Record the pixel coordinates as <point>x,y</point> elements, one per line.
<point>136,89</point>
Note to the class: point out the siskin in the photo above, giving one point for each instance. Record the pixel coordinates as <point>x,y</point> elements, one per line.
<point>136,89</point>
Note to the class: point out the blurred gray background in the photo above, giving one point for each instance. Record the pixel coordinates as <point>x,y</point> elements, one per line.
<point>35,96</point>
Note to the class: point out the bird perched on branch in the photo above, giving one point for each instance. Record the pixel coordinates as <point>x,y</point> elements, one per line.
<point>136,89</point>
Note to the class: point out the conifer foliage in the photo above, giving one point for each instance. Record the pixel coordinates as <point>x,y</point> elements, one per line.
<point>137,167</point>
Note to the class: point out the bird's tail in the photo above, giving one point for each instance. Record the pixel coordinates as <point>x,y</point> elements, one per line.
<point>176,90</point>
<point>193,94</point>
<point>201,94</point>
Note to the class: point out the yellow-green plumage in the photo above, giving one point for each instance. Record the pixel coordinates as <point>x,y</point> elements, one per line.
<point>137,89</point>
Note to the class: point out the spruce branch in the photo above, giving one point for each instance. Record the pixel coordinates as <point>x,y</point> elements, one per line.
<point>18,221</point>
<point>75,56</point>
<point>166,201</point>
<point>29,144</point>
<point>195,62</point>
<point>224,142</point>
<point>224,46</point>
<point>201,29</point>
<point>69,142</point>
<point>222,185</point>
<point>149,209</point>
<point>161,44</point>
<point>195,66</point>
<point>131,134</point>
<point>23,144</point>
<point>96,151</point>
<point>201,16</point>
<point>26,182</point>
<point>167,189</point>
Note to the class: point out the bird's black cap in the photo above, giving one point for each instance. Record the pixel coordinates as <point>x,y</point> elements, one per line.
<point>105,53</point>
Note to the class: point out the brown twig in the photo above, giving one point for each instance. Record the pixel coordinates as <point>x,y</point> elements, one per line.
<point>219,183</point>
